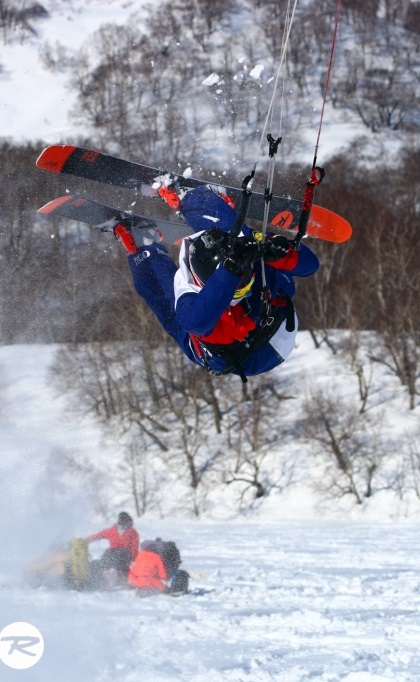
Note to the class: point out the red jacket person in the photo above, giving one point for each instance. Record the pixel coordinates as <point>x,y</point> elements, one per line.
<point>123,547</point>
<point>120,536</point>
<point>148,572</point>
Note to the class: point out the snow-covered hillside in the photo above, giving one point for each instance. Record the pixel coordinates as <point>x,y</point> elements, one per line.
<point>39,430</point>
<point>36,103</point>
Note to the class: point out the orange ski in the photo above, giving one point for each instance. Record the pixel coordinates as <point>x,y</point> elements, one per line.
<point>322,224</point>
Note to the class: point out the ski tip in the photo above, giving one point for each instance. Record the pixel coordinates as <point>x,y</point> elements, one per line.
<point>322,224</point>
<point>54,204</point>
<point>54,158</point>
<point>328,225</point>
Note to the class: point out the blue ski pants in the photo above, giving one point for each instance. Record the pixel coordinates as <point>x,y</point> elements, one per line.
<point>153,270</point>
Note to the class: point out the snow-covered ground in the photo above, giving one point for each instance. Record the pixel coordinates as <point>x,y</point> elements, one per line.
<point>292,601</point>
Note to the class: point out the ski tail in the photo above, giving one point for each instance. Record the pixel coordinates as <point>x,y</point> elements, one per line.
<point>85,210</point>
<point>55,158</point>
<point>54,205</point>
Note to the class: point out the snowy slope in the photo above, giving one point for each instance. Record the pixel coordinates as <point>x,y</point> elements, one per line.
<point>290,603</point>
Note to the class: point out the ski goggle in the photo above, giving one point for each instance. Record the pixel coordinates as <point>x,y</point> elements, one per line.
<point>240,293</point>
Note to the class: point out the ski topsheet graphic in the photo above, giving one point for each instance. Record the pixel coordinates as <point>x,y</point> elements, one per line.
<point>93,165</point>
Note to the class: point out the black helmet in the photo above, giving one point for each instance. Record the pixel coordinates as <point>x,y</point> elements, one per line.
<point>125,520</point>
<point>210,249</point>
<point>207,251</point>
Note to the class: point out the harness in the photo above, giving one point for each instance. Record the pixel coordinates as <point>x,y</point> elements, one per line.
<point>236,353</point>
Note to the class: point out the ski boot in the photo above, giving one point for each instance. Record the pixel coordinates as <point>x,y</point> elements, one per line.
<point>221,191</point>
<point>166,184</point>
<point>132,238</point>
<point>165,187</point>
<point>170,197</point>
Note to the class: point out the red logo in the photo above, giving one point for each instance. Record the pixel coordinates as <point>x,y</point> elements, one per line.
<point>90,156</point>
<point>283,219</point>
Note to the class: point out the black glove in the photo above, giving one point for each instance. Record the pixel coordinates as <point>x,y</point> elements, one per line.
<point>245,251</point>
<point>275,248</point>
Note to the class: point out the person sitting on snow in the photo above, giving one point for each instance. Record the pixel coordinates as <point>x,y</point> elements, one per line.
<point>124,545</point>
<point>148,572</point>
<point>213,304</point>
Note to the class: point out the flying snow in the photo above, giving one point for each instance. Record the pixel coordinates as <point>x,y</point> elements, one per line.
<point>256,71</point>
<point>211,80</point>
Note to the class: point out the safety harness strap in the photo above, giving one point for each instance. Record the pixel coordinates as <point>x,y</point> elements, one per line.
<point>236,353</point>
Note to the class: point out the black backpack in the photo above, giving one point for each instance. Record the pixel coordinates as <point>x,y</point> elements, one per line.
<point>168,552</point>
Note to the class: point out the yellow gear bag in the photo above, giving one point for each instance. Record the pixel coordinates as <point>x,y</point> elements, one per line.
<point>79,561</point>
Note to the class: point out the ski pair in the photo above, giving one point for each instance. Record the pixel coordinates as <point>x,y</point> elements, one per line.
<point>284,212</point>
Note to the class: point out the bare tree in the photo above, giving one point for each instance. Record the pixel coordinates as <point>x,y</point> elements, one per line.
<point>17,17</point>
<point>136,480</point>
<point>253,431</point>
<point>347,442</point>
<point>407,476</point>
<point>395,285</point>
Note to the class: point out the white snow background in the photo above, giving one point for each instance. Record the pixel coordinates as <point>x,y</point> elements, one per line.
<point>286,595</point>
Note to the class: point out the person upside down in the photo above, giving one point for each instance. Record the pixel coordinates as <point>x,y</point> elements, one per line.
<point>211,305</point>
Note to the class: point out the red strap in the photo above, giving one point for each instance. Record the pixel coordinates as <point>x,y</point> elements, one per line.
<point>196,344</point>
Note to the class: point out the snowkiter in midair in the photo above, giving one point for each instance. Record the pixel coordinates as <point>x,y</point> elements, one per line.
<point>214,305</point>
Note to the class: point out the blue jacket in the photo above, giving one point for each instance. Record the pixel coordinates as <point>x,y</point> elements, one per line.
<point>199,310</point>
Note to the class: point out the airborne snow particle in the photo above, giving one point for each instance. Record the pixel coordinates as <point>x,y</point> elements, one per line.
<point>256,71</point>
<point>211,80</point>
